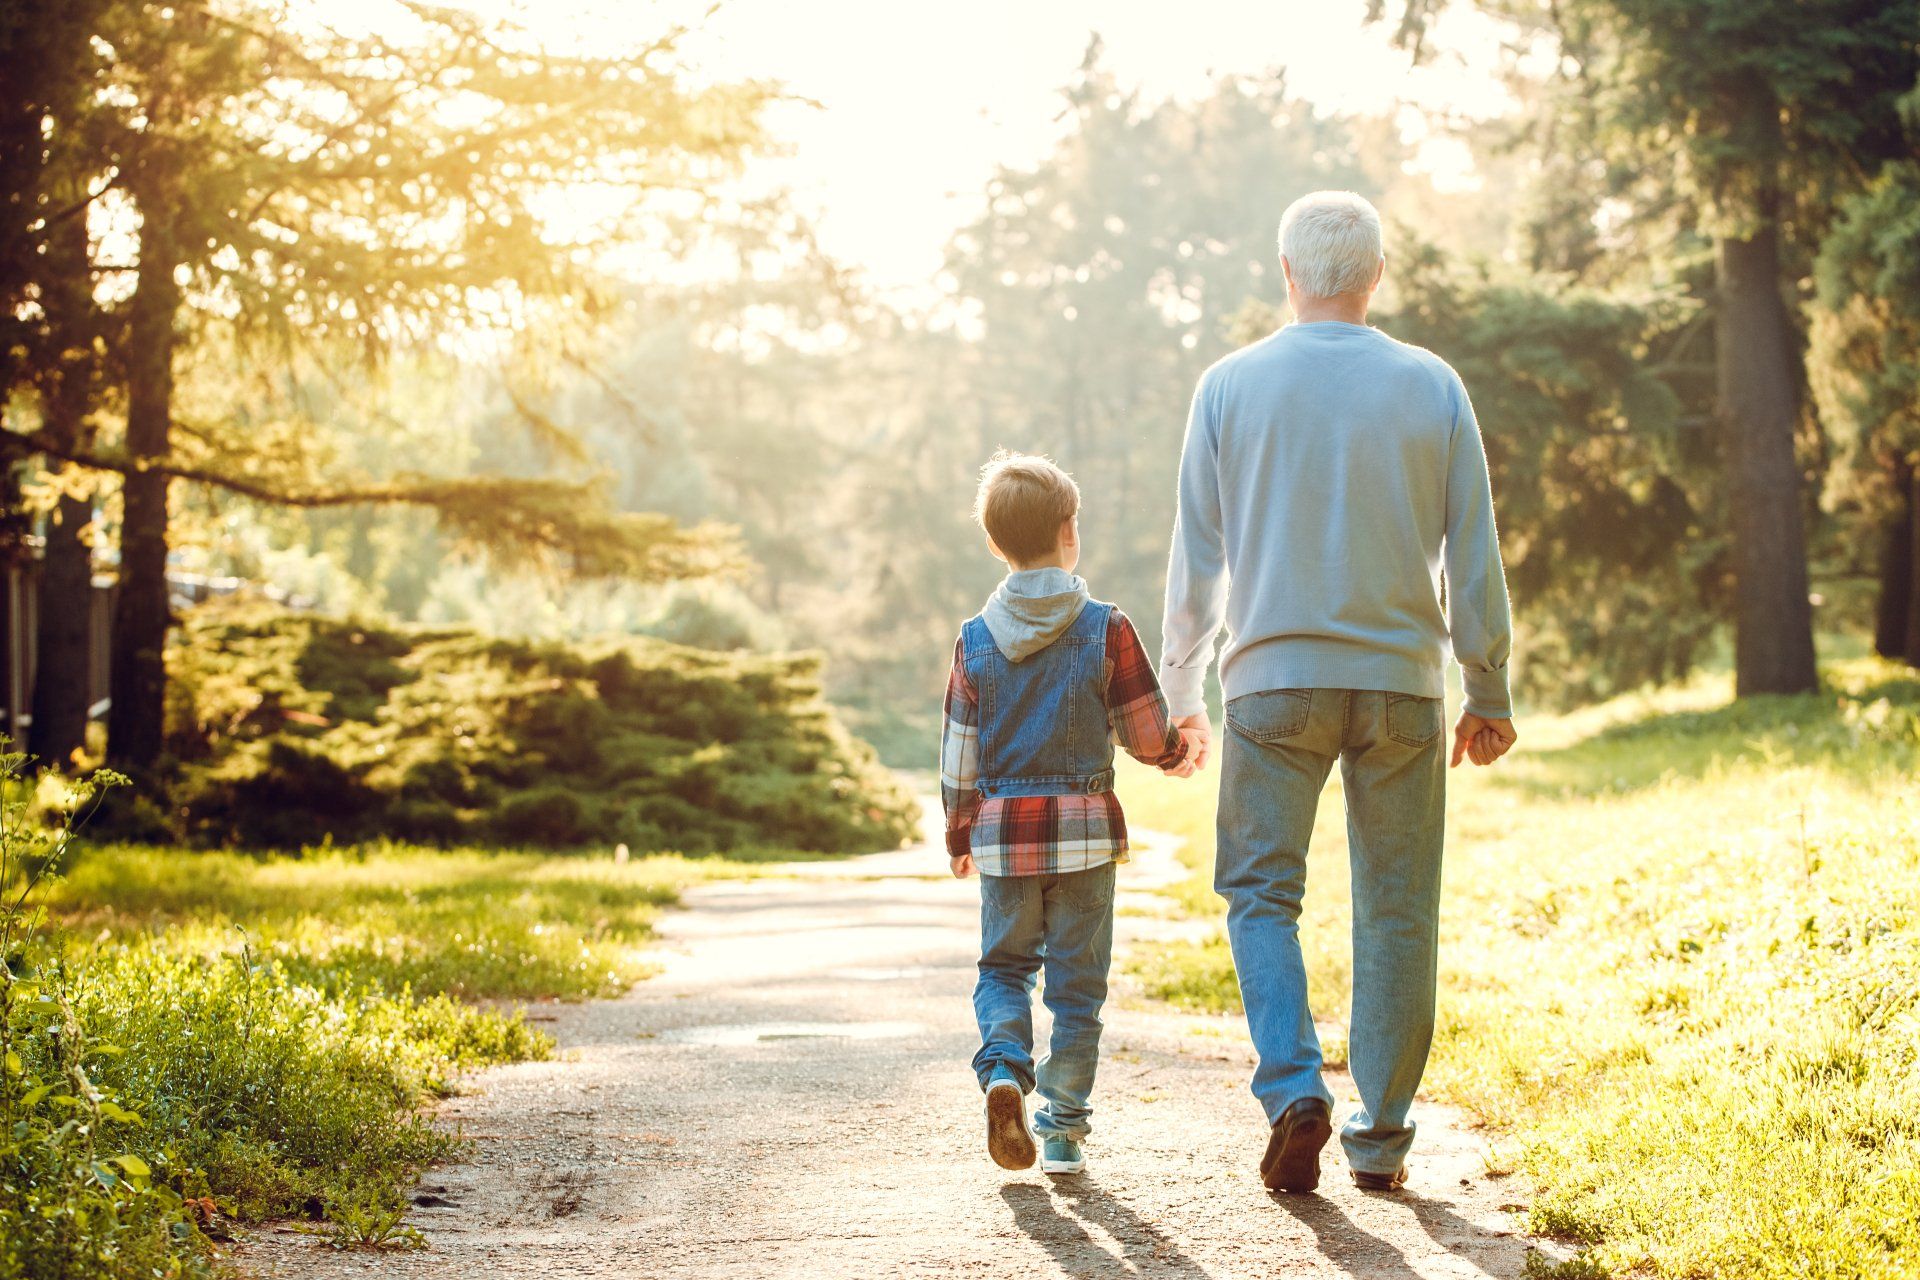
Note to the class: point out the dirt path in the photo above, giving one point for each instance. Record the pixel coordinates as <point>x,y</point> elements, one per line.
<point>792,1098</point>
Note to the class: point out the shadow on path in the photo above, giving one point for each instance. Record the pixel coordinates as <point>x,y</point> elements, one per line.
<point>1361,1253</point>
<point>1066,1238</point>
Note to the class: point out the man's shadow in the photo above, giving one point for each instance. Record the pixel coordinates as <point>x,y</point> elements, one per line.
<point>1143,1248</point>
<point>1141,1245</point>
<point>1359,1252</point>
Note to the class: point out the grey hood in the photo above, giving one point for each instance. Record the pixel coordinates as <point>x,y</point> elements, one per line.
<point>1031,608</point>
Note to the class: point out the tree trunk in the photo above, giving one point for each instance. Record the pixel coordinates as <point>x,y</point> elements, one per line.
<point>1912,651</point>
<point>60,667</point>
<point>136,719</point>
<point>1759,404</point>
<point>1894,621</point>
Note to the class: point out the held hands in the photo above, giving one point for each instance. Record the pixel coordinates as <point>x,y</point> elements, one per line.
<point>1198,732</point>
<point>1481,739</point>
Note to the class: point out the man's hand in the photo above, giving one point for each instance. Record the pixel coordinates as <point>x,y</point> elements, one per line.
<point>1198,731</point>
<point>962,866</point>
<point>1482,739</point>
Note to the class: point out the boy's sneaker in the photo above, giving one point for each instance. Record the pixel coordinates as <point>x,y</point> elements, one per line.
<point>1009,1141</point>
<point>1061,1155</point>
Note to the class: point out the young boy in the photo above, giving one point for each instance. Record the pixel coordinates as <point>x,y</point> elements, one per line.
<point>1045,680</point>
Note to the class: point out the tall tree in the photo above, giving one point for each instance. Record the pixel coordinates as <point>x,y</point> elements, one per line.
<point>44,64</point>
<point>308,189</point>
<point>49,327</point>
<point>1866,378</point>
<point>1772,110</point>
<point>65,376</point>
<point>1104,278</point>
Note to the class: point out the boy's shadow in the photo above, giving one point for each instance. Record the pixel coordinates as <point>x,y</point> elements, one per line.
<point>1141,1245</point>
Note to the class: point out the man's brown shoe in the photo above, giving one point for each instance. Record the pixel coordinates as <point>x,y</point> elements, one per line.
<point>1292,1162</point>
<point>1380,1181</point>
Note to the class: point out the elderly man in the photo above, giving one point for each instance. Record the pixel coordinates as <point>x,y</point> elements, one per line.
<point>1330,476</point>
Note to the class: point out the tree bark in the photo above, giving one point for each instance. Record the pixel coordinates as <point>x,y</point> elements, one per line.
<point>1912,650</point>
<point>1759,398</point>
<point>137,718</point>
<point>1894,612</point>
<point>62,665</point>
<point>62,649</point>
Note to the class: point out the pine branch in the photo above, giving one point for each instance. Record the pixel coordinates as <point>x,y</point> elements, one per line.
<point>562,524</point>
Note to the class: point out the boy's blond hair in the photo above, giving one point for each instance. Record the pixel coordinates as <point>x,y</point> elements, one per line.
<point>1023,501</point>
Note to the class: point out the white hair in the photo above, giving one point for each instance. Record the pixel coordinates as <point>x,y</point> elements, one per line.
<point>1331,241</point>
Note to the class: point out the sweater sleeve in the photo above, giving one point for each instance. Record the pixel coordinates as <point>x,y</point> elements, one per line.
<point>1197,568</point>
<point>1478,620</point>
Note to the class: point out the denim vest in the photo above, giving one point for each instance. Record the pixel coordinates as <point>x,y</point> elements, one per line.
<point>1044,729</point>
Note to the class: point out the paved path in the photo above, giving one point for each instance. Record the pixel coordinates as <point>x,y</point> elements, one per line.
<point>792,1098</point>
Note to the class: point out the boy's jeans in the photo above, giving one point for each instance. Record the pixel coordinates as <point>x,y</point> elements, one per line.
<point>1065,922</point>
<point>1278,749</point>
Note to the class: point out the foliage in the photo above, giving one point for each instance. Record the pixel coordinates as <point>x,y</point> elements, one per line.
<point>1748,99</point>
<point>1679,959</point>
<point>1606,501</point>
<point>78,1188</point>
<point>147,1091</point>
<point>1864,364</point>
<point>1865,358</point>
<point>312,196</point>
<point>295,728</point>
<point>711,616</point>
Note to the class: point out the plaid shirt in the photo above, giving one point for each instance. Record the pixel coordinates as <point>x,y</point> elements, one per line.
<point>1048,835</point>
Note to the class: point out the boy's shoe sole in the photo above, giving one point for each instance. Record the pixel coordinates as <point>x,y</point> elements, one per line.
<point>1292,1162</point>
<point>1009,1141</point>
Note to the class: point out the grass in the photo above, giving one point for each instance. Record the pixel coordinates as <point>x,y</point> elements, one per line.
<point>257,1037</point>
<point>469,923</point>
<point>1680,964</point>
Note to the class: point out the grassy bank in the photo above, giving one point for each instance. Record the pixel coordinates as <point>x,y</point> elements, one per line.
<point>1680,966</point>
<point>209,1037</point>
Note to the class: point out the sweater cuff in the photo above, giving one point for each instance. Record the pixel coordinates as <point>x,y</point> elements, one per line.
<point>1185,689</point>
<point>1486,693</point>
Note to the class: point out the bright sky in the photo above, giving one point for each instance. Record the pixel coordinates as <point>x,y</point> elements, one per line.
<point>919,102</point>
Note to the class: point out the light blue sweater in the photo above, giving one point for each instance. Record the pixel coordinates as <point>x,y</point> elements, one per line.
<point>1331,474</point>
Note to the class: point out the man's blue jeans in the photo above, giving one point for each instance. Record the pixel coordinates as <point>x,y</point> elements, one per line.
<point>1064,922</point>
<point>1277,752</point>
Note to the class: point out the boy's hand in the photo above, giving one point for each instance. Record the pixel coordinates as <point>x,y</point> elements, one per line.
<point>1198,730</point>
<point>1482,739</point>
<point>962,866</point>
<point>1190,763</point>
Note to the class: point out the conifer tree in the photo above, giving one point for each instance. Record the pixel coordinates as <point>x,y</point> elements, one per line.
<point>1771,111</point>
<point>300,188</point>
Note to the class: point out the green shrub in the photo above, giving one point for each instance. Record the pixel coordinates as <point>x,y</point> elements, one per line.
<point>543,816</point>
<point>292,729</point>
<point>76,1197</point>
<point>705,615</point>
<point>84,1188</point>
